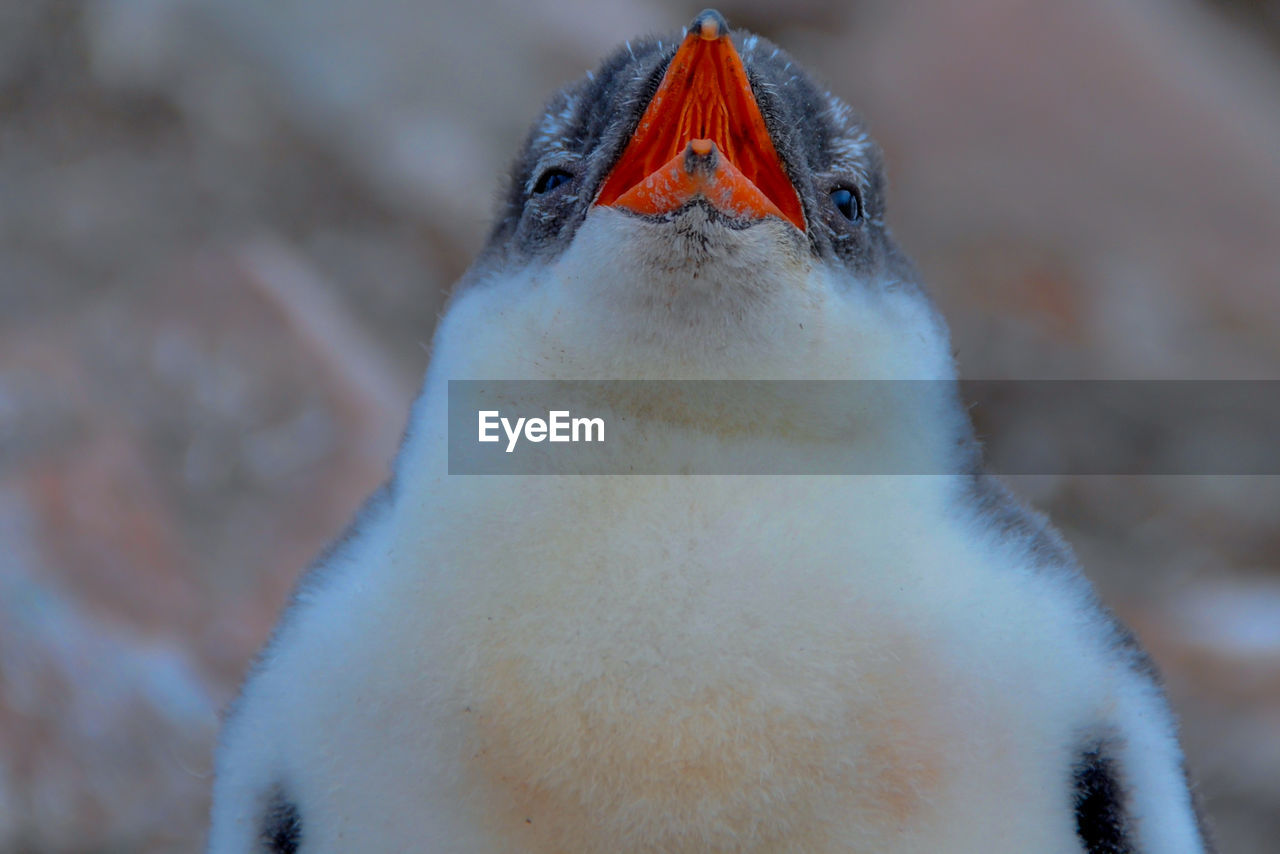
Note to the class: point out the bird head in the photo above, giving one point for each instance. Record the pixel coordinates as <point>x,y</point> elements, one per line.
<point>696,207</point>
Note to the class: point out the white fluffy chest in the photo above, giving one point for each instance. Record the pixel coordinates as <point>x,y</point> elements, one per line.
<point>704,663</point>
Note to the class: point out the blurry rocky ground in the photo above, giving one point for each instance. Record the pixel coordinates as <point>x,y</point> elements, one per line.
<point>226,228</point>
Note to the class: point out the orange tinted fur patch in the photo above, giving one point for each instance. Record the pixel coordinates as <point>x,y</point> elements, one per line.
<point>597,768</point>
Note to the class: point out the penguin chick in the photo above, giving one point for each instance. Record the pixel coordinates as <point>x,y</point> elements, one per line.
<point>699,663</point>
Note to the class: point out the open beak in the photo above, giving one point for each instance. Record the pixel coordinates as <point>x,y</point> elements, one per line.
<point>702,135</point>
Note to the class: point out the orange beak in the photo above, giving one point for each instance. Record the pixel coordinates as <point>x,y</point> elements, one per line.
<point>703,135</point>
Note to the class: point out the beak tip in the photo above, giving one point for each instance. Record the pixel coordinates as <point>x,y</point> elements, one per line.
<point>709,25</point>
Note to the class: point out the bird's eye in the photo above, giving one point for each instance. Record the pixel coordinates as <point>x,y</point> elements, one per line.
<point>846,201</point>
<point>549,180</point>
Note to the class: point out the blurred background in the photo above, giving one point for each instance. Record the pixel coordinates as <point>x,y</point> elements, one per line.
<point>227,228</point>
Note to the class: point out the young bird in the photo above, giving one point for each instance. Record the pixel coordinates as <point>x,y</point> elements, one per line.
<point>616,664</point>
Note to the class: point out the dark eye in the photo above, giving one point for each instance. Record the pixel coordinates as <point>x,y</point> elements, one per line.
<point>846,201</point>
<point>549,180</point>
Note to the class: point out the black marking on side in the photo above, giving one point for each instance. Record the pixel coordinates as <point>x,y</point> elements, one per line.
<point>1101,823</point>
<point>281,831</point>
